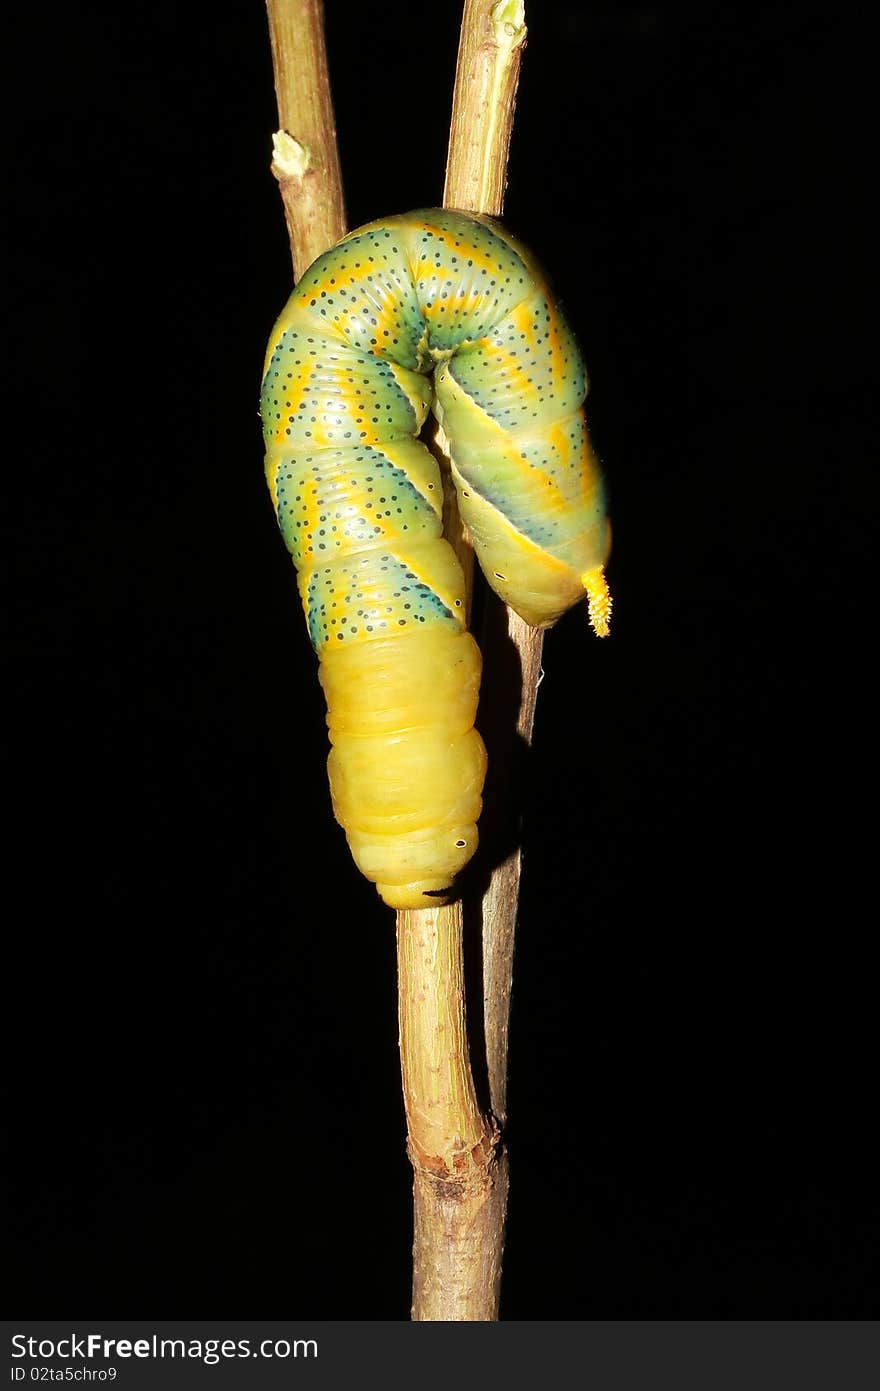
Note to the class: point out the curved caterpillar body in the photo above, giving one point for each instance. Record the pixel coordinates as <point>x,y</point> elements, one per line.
<point>345,393</point>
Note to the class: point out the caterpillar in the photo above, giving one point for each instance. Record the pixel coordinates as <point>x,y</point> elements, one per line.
<point>347,387</point>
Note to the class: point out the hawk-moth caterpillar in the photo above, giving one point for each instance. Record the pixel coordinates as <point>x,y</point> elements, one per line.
<point>445,311</point>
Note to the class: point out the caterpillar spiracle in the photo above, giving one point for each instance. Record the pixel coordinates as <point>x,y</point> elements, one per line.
<point>444,311</point>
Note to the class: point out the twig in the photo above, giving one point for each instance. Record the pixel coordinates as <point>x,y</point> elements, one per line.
<point>460,1189</point>
<point>458,1206</point>
<point>305,155</point>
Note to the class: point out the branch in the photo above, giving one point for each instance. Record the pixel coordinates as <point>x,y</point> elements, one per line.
<point>460,1190</point>
<point>305,155</point>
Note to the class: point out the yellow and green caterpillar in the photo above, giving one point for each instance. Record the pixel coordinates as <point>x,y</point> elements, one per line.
<point>347,387</point>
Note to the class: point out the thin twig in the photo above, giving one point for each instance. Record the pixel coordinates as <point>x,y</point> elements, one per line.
<point>458,1208</point>
<point>305,156</point>
<point>460,1190</point>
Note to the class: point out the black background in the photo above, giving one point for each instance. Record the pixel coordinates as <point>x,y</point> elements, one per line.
<point>205,1117</point>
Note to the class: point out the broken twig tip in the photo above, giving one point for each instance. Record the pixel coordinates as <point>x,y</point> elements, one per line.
<point>290,159</point>
<point>509,21</point>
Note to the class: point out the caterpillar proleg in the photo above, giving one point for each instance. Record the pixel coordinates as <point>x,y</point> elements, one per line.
<point>346,390</point>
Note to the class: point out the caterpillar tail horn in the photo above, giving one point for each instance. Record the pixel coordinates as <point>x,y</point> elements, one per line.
<point>598,600</point>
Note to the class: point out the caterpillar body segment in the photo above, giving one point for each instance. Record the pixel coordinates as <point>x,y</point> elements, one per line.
<point>346,391</point>
<point>407,765</point>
